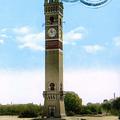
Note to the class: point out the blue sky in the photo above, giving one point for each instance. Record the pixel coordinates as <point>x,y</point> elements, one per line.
<point>91,51</point>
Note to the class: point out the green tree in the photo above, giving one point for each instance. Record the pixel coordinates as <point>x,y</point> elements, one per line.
<point>106,106</point>
<point>116,106</point>
<point>73,103</point>
<point>85,110</point>
<point>95,108</point>
<point>91,108</point>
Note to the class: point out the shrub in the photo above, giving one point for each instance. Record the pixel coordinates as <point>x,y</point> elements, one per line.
<point>30,111</point>
<point>70,113</point>
<point>28,114</point>
<point>21,109</point>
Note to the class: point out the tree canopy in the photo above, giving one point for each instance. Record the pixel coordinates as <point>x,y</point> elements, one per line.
<point>73,103</point>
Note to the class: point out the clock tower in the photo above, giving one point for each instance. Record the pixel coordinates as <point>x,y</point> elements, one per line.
<point>53,94</point>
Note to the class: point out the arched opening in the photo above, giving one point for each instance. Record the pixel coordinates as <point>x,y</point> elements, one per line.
<point>52,86</point>
<point>51,110</point>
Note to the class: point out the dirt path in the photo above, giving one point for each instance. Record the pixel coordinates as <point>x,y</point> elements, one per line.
<point>70,118</point>
<point>96,118</point>
<point>12,118</point>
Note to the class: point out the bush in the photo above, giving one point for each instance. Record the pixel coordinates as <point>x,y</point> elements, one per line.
<point>20,109</point>
<point>28,114</point>
<point>85,110</point>
<point>30,111</point>
<point>91,109</point>
<point>70,113</point>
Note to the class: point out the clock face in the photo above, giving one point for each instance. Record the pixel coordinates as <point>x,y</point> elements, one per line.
<point>52,32</point>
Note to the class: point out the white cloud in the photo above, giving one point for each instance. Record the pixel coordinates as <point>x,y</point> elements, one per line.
<point>31,46</point>
<point>1,41</point>
<point>3,36</point>
<point>74,35</point>
<point>22,30</point>
<point>25,86</point>
<point>93,48</point>
<point>3,30</point>
<point>116,41</point>
<point>27,38</point>
<point>34,41</point>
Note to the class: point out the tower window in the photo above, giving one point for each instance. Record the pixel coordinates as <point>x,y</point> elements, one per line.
<point>60,22</point>
<point>61,87</point>
<point>52,86</point>
<point>50,1</point>
<point>51,20</point>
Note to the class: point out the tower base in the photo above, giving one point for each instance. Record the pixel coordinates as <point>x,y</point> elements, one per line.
<point>53,108</point>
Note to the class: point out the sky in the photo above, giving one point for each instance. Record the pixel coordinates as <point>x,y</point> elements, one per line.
<point>91,51</point>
